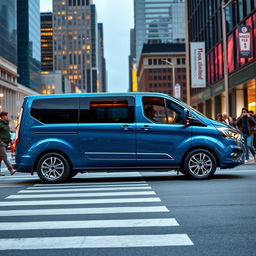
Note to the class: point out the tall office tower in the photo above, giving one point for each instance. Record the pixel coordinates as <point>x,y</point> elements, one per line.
<point>158,22</point>
<point>29,49</point>
<point>102,61</point>
<point>8,30</point>
<point>76,44</point>
<point>46,42</point>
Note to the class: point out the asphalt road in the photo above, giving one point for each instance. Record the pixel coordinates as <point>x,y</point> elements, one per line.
<point>130,214</point>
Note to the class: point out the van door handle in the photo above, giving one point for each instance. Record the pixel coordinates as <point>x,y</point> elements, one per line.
<point>126,127</point>
<point>146,128</point>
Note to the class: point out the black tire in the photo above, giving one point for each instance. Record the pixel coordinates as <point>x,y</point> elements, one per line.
<point>199,164</point>
<point>53,168</point>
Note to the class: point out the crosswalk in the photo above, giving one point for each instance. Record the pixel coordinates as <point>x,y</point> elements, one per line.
<point>87,215</point>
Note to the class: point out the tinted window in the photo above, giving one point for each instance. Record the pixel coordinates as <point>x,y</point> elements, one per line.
<point>107,110</point>
<point>55,111</point>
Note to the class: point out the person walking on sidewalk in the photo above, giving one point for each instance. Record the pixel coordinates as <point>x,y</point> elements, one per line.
<point>246,124</point>
<point>4,141</point>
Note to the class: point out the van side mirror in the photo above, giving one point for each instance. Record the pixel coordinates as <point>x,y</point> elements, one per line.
<point>186,119</point>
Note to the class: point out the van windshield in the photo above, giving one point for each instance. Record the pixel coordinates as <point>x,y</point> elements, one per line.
<point>193,109</point>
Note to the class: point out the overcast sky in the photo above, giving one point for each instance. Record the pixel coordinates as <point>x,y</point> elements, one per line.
<point>117,19</point>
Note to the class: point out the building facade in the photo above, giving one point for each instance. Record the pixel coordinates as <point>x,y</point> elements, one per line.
<point>155,70</point>
<point>8,30</point>
<point>76,46</point>
<point>205,25</point>
<point>55,83</point>
<point>29,49</point>
<point>11,92</point>
<point>158,22</point>
<point>46,42</point>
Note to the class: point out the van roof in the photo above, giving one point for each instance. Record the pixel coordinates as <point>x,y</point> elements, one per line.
<point>41,96</point>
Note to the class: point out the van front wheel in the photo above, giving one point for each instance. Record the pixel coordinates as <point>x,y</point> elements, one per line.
<point>53,168</point>
<point>199,164</point>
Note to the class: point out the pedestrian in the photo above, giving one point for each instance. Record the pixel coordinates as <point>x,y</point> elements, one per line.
<point>220,118</point>
<point>228,119</point>
<point>246,123</point>
<point>4,141</point>
<point>254,129</point>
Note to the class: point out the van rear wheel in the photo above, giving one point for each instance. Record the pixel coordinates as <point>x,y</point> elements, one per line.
<point>199,164</point>
<point>53,168</point>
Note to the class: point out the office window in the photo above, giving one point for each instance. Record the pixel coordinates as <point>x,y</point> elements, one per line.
<point>231,64</point>
<point>111,110</point>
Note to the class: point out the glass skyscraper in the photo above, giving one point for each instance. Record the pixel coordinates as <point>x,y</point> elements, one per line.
<point>158,21</point>
<point>46,42</point>
<point>8,30</point>
<point>78,44</point>
<point>29,49</point>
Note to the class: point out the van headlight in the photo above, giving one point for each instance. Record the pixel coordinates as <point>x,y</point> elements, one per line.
<point>229,133</point>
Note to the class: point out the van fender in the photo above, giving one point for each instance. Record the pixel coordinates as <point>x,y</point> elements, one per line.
<point>54,145</point>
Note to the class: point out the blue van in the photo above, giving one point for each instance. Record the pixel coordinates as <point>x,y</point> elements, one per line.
<point>61,135</point>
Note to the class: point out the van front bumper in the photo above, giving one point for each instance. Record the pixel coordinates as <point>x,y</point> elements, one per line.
<point>234,156</point>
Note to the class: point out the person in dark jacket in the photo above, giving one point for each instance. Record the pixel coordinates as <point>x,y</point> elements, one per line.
<point>4,141</point>
<point>246,124</point>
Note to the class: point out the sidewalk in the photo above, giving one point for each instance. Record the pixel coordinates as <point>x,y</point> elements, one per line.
<point>251,161</point>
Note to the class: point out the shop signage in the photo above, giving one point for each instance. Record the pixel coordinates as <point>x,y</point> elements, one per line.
<point>177,91</point>
<point>198,74</point>
<point>244,35</point>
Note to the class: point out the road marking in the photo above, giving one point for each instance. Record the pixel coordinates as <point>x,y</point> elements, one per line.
<point>91,184</point>
<point>103,194</point>
<point>75,211</point>
<point>126,223</point>
<point>83,189</point>
<point>120,241</point>
<point>82,201</point>
<point>89,187</point>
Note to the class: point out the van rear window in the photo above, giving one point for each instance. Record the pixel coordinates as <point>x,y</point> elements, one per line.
<point>55,111</point>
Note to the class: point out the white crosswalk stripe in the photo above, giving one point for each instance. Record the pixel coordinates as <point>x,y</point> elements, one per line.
<point>122,198</point>
<point>88,224</point>
<point>95,242</point>
<point>71,211</point>
<point>102,194</point>
<point>68,189</point>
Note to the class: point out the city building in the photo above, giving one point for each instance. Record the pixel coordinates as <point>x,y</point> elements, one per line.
<point>8,30</point>
<point>46,42</point>
<point>76,46</point>
<point>155,70</point>
<point>102,60</point>
<point>29,50</point>
<point>204,19</point>
<point>55,83</point>
<point>11,92</point>
<point>158,22</point>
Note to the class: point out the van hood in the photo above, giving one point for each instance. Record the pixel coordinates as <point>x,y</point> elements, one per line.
<point>219,124</point>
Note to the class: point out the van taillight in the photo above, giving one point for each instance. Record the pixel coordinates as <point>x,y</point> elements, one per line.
<point>17,135</point>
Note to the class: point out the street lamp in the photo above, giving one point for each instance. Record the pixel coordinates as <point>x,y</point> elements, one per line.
<point>173,75</point>
<point>1,96</point>
<point>224,35</point>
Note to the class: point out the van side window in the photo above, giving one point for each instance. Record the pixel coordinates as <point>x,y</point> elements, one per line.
<point>162,111</point>
<point>55,111</point>
<point>106,110</point>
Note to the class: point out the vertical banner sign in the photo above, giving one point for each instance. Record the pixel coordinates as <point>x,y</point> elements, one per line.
<point>177,91</point>
<point>244,35</point>
<point>198,74</point>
